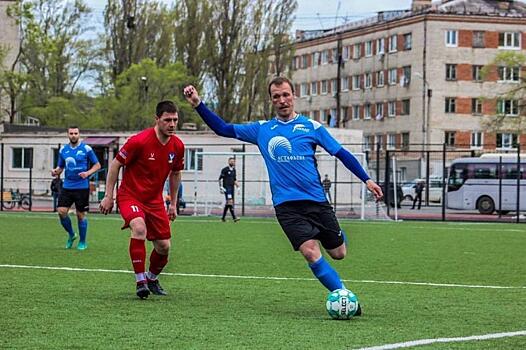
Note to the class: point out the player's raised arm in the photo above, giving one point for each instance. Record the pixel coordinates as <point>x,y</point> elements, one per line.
<point>211,119</point>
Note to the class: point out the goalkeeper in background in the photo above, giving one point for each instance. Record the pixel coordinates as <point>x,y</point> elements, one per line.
<point>288,145</point>
<point>227,182</point>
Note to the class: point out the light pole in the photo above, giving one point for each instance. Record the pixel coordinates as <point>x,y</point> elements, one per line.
<point>144,86</point>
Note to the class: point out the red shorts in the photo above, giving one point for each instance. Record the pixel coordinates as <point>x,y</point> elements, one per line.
<point>154,215</point>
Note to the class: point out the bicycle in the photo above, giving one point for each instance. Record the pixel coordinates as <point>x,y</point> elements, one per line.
<point>15,198</point>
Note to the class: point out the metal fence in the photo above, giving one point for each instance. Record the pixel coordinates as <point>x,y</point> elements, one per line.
<point>396,170</point>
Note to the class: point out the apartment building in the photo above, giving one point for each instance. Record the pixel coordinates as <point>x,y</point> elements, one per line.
<point>9,39</point>
<point>414,76</point>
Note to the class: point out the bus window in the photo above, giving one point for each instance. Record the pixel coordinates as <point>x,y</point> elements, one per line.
<point>485,171</point>
<point>457,176</point>
<point>509,171</point>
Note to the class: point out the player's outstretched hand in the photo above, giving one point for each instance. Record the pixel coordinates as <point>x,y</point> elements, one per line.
<point>375,189</point>
<point>106,205</point>
<point>190,92</point>
<point>172,212</point>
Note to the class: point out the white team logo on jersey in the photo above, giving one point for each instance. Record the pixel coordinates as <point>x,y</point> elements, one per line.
<point>300,127</point>
<point>279,142</point>
<point>152,156</point>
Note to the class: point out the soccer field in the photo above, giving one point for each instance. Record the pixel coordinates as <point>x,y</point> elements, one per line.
<point>241,286</point>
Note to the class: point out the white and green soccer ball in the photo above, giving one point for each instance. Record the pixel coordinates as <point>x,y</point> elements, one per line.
<point>342,304</point>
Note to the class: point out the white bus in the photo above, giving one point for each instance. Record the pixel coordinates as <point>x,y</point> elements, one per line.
<point>473,183</point>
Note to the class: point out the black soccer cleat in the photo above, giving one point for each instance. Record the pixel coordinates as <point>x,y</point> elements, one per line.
<point>156,288</point>
<point>236,219</point>
<point>142,291</point>
<point>359,311</point>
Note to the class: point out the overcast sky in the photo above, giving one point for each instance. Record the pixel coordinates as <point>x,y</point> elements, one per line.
<point>317,14</point>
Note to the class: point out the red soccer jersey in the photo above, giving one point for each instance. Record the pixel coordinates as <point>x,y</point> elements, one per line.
<point>147,165</point>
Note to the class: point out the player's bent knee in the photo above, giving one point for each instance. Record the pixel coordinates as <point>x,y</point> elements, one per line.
<point>138,228</point>
<point>338,253</point>
<point>310,251</point>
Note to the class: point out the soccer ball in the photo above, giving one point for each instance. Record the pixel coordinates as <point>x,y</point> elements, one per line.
<point>342,304</point>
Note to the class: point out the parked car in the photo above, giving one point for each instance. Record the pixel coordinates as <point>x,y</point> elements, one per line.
<point>435,193</point>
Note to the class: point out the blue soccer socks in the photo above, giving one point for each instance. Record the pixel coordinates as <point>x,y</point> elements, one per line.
<point>83,229</point>
<point>326,274</point>
<point>66,223</point>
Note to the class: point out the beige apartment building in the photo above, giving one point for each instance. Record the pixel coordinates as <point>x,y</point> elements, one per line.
<point>10,40</point>
<point>414,76</point>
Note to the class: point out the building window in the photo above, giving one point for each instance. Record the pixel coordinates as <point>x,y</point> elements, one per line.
<point>325,57</point>
<point>405,140</point>
<point>393,76</point>
<point>335,55</point>
<point>304,90</point>
<point>314,88</point>
<point>380,78</point>
<point>368,48</point>
<point>391,108</point>
<point>356,51</point>
<point>379,141</point>
<point>366,143</point>
<point>451,38</point>
<point>476,72</point>
<point>379,111</point>
<point>22,158</point>
<point>509,74</point>
<point>344,113</point>
<point>346,53</point>
<point>393,43</point>
<point>368,80</point>
<point>451,72</point>
<point>450,138</point>
<point>324,87</point>
<point>380,46</point>
<point>506,140</point>
<point>476,140</point>
<point>406,76</point>
<point>478,39</point>
<point>509,40</point>
<point>345,85</point>
<point>323,116</point>
<point>333,116</point>
<point>356,82</point>
<point>476,106</point>
<point>391,141</point>
<point>367,111</point>
<point>315,57</point>
<point>406,107</point>
<point>408,41</point>
<point>355,112</point>
<point>304,61</point>
<point>508,107</point>
<point>190,160</point>
<point>334,86</point>
<point>451,105</point>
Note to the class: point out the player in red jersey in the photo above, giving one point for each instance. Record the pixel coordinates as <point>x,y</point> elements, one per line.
<point>148,157</point>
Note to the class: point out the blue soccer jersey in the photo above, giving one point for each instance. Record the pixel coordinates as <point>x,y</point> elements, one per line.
<point>288,149</point>
<point>75,160</point>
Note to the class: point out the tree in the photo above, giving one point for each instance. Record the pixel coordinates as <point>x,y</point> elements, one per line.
<point>136,30</point>
<point>12,83</point>
<point>509,66</point>
<point>192,28</point>
<point>137,92</point>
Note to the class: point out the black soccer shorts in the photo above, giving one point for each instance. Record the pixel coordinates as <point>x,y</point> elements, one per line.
<point>304,220</point>
<point>78,196</point>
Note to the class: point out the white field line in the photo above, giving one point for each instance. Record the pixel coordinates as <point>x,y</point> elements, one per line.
<point>426,284</point>
<point>194,219</point>
<point>445,340</point>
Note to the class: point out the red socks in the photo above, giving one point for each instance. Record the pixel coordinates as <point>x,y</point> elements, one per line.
<point>157,264</point>
<point>138,257</point>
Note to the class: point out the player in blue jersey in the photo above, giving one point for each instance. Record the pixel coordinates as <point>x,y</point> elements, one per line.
<point>79,162</point>
<point>288,144</point>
